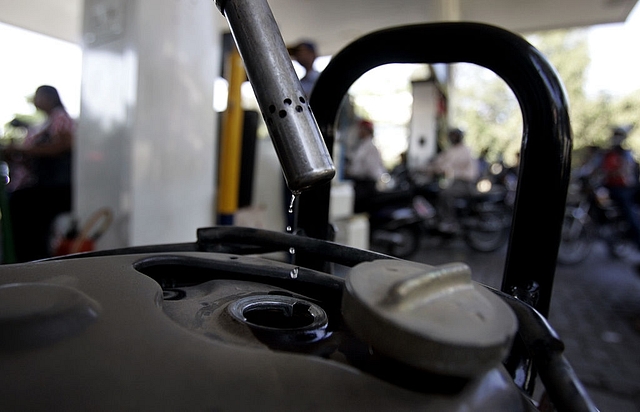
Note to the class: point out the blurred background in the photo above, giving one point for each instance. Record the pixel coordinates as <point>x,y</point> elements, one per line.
<point>141,74</point>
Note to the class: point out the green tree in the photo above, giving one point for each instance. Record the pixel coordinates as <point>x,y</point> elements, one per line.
<point>483,104</point>
<point>486,109</point>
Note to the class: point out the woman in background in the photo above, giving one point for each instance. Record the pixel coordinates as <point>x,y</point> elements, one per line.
<point>48,194</point>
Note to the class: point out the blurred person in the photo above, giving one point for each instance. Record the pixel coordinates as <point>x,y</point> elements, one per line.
<point>305,53</point>
<point>34,206</point>
<point>483,163</point>
<point>364,166</point>
<point>460,171</point>
<point>589,163</point>
<point>19,166</point>
<point>400,175</point>
<point>619,174</point>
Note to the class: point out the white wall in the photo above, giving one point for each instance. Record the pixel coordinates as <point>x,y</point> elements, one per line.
<point>268,189</point>
<point>146,142</point>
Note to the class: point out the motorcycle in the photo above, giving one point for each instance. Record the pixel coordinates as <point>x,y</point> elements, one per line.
<point>500,178</point>
<point>592,216</point>
<point>484,217</point>
<point>396,228</point>
<point>484,222</point>
<point>401,216</point>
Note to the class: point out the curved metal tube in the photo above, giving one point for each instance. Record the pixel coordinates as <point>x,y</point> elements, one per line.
<point>546,141</point>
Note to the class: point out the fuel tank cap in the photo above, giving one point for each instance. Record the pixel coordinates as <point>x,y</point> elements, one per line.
<point>434,318</point>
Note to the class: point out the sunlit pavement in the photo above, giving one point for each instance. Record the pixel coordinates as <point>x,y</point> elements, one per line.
<point>595,309</point>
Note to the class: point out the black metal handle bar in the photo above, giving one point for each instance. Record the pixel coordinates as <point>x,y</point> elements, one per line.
<point>244,241</point>
<point>546,350</point>
<point>546,141</point>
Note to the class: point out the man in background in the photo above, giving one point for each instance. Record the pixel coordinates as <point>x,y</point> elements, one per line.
<point>364,167</point>
<point>459,168</point>
<point>305,53</point>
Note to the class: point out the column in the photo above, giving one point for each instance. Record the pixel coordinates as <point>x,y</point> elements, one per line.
<point>147,131</point>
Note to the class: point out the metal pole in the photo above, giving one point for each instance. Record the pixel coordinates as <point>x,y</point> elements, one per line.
<point>302,152</point>
<point>231,145</point>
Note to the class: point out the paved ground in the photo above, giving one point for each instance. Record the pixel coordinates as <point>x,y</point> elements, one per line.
<point>595,308</point>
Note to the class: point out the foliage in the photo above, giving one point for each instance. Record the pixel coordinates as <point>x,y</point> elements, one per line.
<point>16,129</point>
<point>485,107</point>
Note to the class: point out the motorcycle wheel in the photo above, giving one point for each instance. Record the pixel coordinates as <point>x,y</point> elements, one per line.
<point>488,233</point>
<point>576,242</point>
<point>618,240</point>
<point>620,250</point>
<point>406,243</point>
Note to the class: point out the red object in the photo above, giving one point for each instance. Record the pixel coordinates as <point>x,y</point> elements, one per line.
<point>67,246</point>
<point>85,240</point>
<point>367,125</point>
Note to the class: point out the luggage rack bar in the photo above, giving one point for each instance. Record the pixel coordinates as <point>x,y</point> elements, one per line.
<point>546,141</point>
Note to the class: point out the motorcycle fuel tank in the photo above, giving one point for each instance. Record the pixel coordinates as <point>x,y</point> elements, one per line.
<point>216,331</point>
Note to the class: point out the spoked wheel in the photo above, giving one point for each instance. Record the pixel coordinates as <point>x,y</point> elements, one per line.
<point>576,242</point>
<point>618,240</point>
<point>402,242</point>
<point>488,233</point>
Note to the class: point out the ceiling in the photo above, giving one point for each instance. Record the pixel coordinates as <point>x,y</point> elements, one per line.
<point>335,23</point>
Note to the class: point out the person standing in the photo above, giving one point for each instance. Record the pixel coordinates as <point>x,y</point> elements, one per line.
<point>364,166</point>
<point>34,207</point>
<point>620,174</point>
<point>305,53</point>
<point>460,170</point>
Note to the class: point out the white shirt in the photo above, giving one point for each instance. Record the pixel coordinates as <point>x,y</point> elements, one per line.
<point>365,161</point>
<point>457,162</point>
<point>308,81</point>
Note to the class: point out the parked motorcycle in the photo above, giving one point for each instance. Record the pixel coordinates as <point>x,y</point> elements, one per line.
<point>484,218</point>
<point>592,216</point>
<point>500,178</point>
<point>398,226</point>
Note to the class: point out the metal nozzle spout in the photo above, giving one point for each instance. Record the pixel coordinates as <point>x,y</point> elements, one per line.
<point>302,152</point>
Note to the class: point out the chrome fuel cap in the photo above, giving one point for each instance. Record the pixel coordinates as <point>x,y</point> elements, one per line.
<point>432,318</point>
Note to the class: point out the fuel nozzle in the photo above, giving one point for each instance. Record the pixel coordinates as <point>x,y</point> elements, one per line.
<point>301,150</point>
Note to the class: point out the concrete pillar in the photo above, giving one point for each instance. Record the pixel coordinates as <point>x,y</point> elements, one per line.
<point>423,139</point>
<point>146,135</point>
